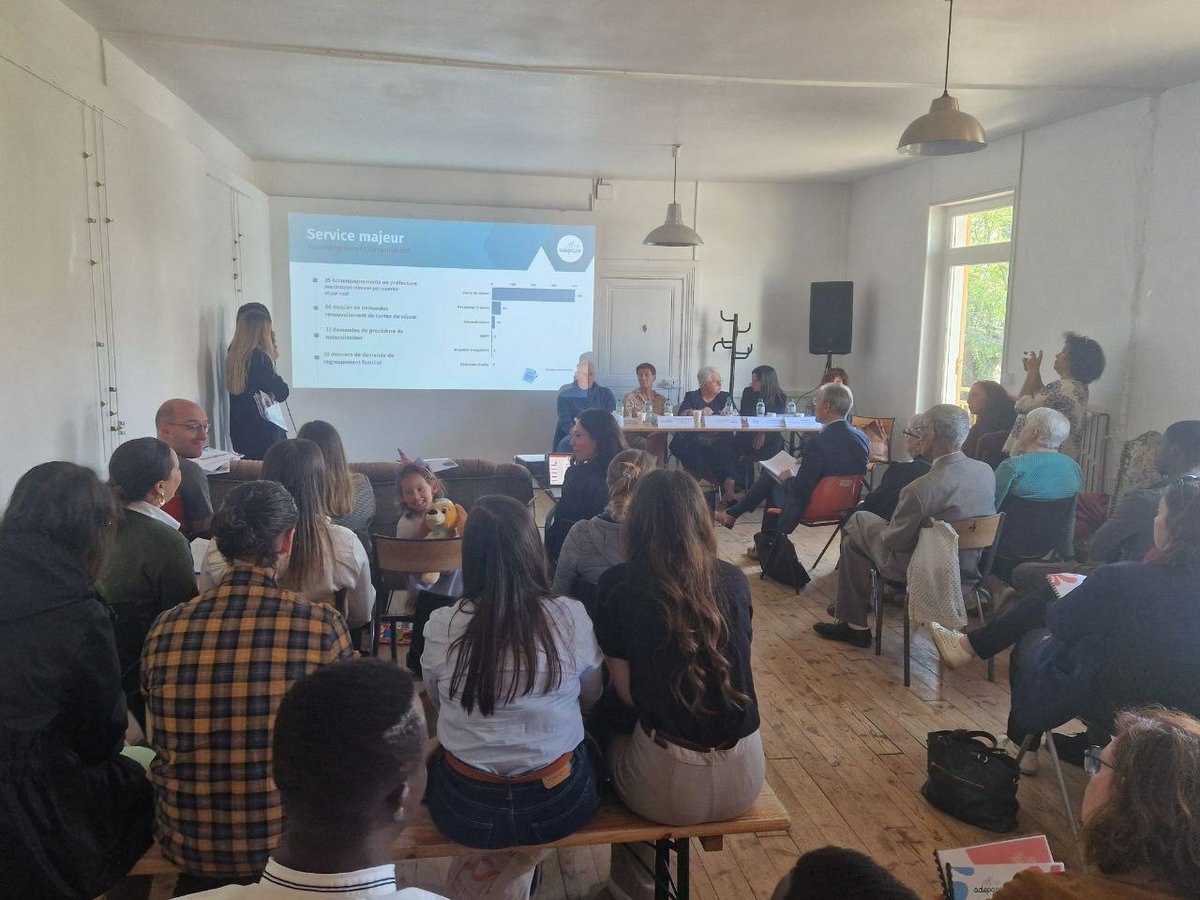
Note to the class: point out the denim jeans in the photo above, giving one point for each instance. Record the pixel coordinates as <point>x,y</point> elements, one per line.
<point>495,816</point>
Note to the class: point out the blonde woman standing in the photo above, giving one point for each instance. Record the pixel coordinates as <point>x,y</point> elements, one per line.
<point>250,375</point>
<point>594,545</point>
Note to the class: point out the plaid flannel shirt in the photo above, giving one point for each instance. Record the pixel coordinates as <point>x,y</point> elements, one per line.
<point>213,672</point>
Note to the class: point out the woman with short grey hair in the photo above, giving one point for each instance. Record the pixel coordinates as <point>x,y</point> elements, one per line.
<point>712,456</point>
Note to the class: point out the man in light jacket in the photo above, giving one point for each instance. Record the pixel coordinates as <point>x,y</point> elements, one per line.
<point>956,488</point>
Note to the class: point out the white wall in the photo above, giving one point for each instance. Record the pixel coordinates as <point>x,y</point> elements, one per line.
<point>139,298</point>
<point>764,244</point>
<point>1105,223</point>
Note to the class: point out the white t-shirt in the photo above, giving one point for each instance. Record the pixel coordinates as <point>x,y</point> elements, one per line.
<point>536,728</point>
<point>279,882</point>
<point>346,569</point>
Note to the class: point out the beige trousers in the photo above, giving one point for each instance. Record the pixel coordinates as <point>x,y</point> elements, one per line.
<point>677,787</point>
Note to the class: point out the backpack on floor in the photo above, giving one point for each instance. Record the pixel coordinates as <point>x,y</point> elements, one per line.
<point>777,556</point>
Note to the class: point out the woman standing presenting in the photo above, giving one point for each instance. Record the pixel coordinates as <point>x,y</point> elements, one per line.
<point>250,376</point>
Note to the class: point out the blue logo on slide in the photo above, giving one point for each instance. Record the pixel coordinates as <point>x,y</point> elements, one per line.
<point>530,375</point>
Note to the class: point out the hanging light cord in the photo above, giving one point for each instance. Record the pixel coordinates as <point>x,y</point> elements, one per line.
<point>675,177</point>
<point>949,31</point>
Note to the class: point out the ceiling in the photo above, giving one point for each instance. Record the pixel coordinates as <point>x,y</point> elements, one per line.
<point>762,90</point>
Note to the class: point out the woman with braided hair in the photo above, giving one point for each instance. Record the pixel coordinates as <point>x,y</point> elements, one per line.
<point>593,546</point>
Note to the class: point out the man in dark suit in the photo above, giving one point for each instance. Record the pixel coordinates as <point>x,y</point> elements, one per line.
<point>839,449</point>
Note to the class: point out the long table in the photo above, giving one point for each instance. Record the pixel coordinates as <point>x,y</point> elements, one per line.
<point>807,426</point>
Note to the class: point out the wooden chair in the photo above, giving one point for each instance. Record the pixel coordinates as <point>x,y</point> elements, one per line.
<point>978,533</point>
<point>832,498</point>
<point>393,560</point>
<point>879,435</point>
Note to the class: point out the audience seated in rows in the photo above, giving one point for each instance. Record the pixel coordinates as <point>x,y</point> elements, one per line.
<point>348,759</point>
<point>764,386</point>
<point>510,668</point>
<point>994,414</point>
<point>580,395</point>
<point>838,873</point>
<point>593,545</point>
<point>897,476</point>
<point>1078,364</point>
<point>675,626</point>
<point>417,489</point>
<point>325,558</point>
<point>595,440</point>
<point>183,426</point>
<point>75,814</point>
<point>635,402</point>
<point>955,488</point>
<point>349,499</point>
<point>149,568</point>
<point>252,381</point>
<point>1128,534</point>
<point>1130,634</point>
<point>839,449</point>
<point>213,672</point>
<point>712,456</point>
<point>1141,817</point>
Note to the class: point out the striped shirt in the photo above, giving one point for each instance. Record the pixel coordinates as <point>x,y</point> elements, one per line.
<point>213,672</point>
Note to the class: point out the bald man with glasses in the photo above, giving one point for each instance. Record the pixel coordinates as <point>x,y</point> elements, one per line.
<point>184,426</point>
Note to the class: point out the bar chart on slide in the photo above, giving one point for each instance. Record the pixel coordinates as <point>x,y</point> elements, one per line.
<point>395,306</point>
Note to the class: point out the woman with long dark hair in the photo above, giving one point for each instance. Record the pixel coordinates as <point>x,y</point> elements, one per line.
<point>325,558</point>
<point>764,386</point>
<point>149,568</point>
<point>595,440</point>
<point>674,624</point>
<point>993,410</point>
<point>75,813</point>
<point>350,500</point>
<point>509,667</point>
<point>253,383</point>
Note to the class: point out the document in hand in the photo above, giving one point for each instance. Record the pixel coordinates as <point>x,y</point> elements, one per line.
<point>1065,582</point>
<point>983,869</point>
<point>779,463</point>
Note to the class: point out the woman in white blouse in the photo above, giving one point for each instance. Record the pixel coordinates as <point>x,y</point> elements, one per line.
<point>510,667</point>
<point>325,558</point>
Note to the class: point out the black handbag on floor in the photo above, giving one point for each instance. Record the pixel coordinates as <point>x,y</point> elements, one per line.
<point>972,779</point>
<point>777,556</point>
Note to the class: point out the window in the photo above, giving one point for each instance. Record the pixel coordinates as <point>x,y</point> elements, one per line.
<point>976,252</point>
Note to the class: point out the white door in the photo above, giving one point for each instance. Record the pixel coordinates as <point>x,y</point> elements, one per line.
<point>643,317</point>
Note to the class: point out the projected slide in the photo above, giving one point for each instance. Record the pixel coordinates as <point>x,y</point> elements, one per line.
<point>436,305</point>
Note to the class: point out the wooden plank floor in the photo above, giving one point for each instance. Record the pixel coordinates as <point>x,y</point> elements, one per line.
<point>845,742</point>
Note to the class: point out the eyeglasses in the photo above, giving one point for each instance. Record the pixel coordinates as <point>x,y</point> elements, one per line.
<point>1092,763</point>
<point>915,435</point>
<point>194,427</point>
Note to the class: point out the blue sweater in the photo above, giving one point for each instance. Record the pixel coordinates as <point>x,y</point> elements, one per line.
<point>1038,476</point>
<point>573,400</point>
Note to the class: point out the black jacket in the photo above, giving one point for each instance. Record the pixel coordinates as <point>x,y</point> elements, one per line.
<point>883,498</point>
<point>839,449</point>
<point>251,434</point>
<point>74,814</point>
<point>584,494</point>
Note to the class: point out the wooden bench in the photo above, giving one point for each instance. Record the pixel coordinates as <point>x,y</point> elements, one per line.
<point>612,824</point>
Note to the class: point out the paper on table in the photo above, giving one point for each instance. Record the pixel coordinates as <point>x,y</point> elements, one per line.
<point>730,422</point>
<point>199,551</point>
<point>764,422</point>
<point>779,463</point>
<point>676,423</point>
<point>801,423</point>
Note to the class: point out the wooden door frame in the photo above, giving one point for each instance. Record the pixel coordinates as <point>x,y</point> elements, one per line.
<point>684,270</point>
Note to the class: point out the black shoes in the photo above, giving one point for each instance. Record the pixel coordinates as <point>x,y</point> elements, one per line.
<point>840,631</point>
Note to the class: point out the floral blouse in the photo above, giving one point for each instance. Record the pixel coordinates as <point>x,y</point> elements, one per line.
<point>1066,395</point>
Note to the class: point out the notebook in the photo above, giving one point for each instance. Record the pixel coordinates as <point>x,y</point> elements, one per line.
<point>968,872</point>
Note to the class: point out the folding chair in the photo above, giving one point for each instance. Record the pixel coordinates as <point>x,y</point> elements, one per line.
<point>978,533</point>
<point>396,558</point>
<point>832,498</point>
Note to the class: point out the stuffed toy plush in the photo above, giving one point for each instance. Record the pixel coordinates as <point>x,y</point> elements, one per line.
<point>443,519</point>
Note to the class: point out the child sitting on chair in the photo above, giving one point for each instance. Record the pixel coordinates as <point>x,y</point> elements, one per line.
<point>418,491</point>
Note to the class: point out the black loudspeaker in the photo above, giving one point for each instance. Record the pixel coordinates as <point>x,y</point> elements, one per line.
<point>830,317</point>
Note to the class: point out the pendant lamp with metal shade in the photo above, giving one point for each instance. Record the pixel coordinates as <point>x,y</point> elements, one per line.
<point>673,232</point>
<point>945,129</point>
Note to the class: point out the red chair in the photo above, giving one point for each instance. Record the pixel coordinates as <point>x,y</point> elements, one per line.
<point>832,498</point>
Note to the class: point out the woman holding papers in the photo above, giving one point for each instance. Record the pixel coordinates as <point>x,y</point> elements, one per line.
<point>149,568</point>
<point>254,386</point>
<point>1141,817</point>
